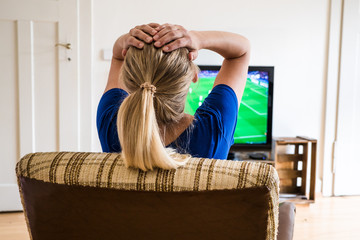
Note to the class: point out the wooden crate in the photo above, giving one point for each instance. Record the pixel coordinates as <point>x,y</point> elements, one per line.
<point>292,167</point>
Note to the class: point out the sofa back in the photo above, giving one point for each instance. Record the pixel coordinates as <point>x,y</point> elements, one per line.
<point>68,195</point>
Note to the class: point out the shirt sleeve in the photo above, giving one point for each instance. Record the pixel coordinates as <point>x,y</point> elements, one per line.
<point>222,105</point>
<point>106,119</point>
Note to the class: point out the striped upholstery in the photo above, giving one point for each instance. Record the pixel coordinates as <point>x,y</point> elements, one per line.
<point>107,170</point>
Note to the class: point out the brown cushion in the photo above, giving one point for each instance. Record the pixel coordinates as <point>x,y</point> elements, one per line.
<point>57,211</point>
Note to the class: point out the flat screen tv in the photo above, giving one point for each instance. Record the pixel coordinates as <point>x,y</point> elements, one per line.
<point>254,124</point>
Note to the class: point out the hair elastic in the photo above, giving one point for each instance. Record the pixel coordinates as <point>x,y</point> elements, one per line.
<point>148,86</point>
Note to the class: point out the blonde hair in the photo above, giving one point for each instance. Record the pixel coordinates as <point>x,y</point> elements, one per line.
<point>158,84</point>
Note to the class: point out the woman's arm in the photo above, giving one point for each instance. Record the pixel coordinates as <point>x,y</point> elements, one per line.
<point>236,52</point>
<point>233,47</point>
<point>136,37</point>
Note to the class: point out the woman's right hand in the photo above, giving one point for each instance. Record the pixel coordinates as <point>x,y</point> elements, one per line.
<point>170,37</point>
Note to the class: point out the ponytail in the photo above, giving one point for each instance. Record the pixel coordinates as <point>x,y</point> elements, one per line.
<point>139,134</point>
<point>158,83</point>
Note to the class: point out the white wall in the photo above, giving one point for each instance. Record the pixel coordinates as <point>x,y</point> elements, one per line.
<point>290,35</point>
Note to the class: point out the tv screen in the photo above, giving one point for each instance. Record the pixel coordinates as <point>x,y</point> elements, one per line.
<point>254,124</point>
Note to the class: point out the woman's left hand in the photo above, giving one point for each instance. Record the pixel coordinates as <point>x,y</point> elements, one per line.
<point>136,37</point>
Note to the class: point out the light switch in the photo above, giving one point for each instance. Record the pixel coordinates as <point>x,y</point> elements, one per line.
<point>107,54</point>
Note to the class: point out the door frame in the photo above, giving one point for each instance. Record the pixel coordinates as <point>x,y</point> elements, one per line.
<point>82,95</point>
<point>332,96</point>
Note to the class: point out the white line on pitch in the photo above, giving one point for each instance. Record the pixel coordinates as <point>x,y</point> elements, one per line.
<point>261,114</point>
<point>255,136</point>
<point>258,92</point>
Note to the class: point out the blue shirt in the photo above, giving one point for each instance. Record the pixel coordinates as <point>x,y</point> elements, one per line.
<point>211,135</point>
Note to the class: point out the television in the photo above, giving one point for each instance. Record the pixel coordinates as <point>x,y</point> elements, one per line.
<point>254,124</point>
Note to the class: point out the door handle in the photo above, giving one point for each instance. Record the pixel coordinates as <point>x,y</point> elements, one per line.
<point>65,45</point>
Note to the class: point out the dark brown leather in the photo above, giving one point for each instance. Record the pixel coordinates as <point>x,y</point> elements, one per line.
<point>58,211</point>
<point>287,212</point>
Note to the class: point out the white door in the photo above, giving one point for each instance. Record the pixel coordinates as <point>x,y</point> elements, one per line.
<point>347,160</point>
<point>39,85</point>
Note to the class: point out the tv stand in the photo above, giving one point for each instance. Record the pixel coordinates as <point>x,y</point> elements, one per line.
<point>247,155</point>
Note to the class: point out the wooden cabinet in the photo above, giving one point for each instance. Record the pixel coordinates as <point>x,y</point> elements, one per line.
<point>294,158</point>
<point>295,162</point>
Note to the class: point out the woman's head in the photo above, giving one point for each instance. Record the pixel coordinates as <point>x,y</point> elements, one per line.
<point>171,74</point>
<point>158,83</point>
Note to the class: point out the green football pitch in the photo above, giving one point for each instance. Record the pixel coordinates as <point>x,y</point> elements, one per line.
<point>252,115</point>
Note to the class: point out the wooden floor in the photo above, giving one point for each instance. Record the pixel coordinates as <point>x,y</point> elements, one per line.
<point>328,218</point>
<point>13,227</point>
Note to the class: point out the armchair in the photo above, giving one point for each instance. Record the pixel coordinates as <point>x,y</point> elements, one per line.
<point>73,195</point>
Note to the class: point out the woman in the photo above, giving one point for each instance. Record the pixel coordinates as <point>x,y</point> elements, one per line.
<point>142,109</point>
